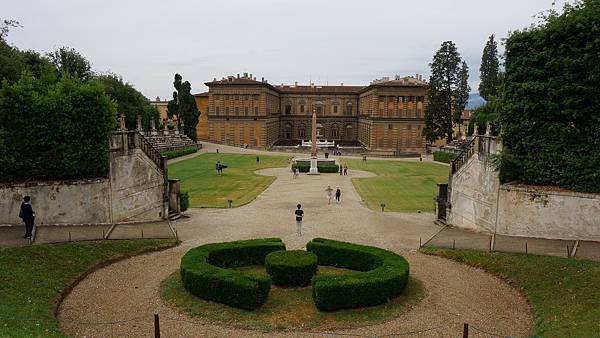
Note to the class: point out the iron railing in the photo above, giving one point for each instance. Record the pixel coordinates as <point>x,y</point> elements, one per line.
<point>464,155</point>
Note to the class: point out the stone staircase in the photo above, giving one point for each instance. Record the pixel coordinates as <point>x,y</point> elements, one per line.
<point>168,141</point>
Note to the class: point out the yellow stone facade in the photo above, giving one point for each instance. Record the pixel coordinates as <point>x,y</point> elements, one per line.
<point>386,115</point>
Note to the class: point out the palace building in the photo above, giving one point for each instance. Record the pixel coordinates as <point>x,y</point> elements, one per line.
<point>386,115</point>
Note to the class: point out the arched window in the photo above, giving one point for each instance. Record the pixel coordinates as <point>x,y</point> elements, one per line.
<point>288,131</point>
<point>302,131</point>
<point>334,132</point>
<point>349,108</point>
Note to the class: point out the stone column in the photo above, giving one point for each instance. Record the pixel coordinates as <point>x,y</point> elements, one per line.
<point>139,123</point>
<point>314,170</point>
<point>176,129</point>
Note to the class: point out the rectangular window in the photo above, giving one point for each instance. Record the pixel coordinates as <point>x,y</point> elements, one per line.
<point>226,110</point>
<point>237,111</point>
<point>288,109</point>
<point>255,110</point>
<point>349,109</point>
<point>246,111</point>
<point>217,110</point>
<point>319,110</point>
<point>335,109</point>
<point>302,108</point>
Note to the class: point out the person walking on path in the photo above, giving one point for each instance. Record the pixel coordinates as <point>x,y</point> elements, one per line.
<point>338,194</point>
<point>299,213</point>
<point>28,216</point>
<point>328,194</point>
<point>296,173</point>
<point>345,170</point>
<point>257,159</point>
<point>341,169</point>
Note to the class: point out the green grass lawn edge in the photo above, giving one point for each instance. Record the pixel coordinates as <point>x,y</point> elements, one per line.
<point>563,292</point>
<point>36,279</point>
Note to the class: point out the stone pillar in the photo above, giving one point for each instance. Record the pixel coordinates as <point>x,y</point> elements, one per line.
<point>314,170</point>
<point>488,129</point>
<point>475,130</point>
<point>138,126</point>
<point>153,131</point>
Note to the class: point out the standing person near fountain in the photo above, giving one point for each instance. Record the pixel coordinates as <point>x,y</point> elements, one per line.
<point>338,194</point>
<point>328,193</point>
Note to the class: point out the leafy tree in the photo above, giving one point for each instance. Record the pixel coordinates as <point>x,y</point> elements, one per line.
<point>550,115</point>
<point>489,70</point>
<point>183,106</point>
<point>129,101</point>
<point>69,61</point>
<point>446,92</point>
<point>54,130</point>
<point>5,26</point>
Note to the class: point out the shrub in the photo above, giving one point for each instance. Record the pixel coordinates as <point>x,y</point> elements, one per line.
<point>291,267</point>
<point>54,130</point>
<point>204,272</point>
<point>442,156</point>
<point>384,275</point>
<point>180,152</point>
<point>184,201</point>
<point>323,168</point>
<point>550,115</point>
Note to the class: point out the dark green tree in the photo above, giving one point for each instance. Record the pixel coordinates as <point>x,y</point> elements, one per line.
<point>183,106</point>
<point>445,92</point>
<point>54,130</point>
<point>462,94</point>
<point>5,26</point>
<point>550,115</point>
<point>489,70</point>
<point>69,61</point>
<point>129,101</point>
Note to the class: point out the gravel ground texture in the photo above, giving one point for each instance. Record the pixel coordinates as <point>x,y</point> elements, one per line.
<point>126,294</point>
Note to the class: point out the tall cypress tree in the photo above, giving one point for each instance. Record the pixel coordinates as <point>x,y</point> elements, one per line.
<point>445,94</point>
<point>184,107</point>
<point>462,93</point>
<point>489,70</point>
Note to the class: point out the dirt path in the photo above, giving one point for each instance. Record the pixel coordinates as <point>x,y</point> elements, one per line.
<point>455,293</point>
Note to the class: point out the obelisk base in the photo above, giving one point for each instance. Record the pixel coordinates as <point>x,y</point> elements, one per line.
<point>313,167</point>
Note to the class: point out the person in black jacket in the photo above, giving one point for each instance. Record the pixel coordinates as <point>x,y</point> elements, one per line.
<point>28,216</point>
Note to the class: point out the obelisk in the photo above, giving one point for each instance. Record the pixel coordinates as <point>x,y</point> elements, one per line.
<point>313,148</point>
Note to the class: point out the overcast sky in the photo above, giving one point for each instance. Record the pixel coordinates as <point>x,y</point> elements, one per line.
<point>326,41</point>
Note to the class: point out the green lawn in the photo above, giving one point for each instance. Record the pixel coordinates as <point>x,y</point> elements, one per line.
<point>564,292</point>
<point>32,277</point>
<point>288,308</point>
<point>406,186</point>
<point>239,182</point>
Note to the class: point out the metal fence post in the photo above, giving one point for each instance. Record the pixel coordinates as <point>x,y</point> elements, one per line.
<point>156,326</point>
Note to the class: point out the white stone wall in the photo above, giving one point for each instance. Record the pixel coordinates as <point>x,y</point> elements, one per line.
<point>474,195</point>
<point>480,203</point>
<point>533,212</point>
<point>134,192</point>
<point>58,202</point>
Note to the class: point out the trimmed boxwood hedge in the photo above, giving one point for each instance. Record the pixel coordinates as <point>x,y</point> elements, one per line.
<point>291,267</point>
<point>323,168</point>
<point>180,152</point>
<point>204,272</point>
<point>384,275</point>
<point>442,156</point>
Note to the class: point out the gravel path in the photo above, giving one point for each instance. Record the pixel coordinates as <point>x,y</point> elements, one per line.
<point>455,293</point>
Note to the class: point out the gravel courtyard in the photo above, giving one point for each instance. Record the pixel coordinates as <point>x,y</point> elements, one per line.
<point>455,293</point>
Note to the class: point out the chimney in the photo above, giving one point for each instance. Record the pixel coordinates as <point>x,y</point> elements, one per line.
<point>262,79</point>
<point>214,79</point>
<point>250,76</point>
<point>238,76</point>
<point>158,98</point>
<point>245,75</point>
<point>342,84</point>
<point>296,84</point>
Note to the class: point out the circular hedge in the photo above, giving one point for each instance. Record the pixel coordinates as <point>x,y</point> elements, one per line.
<point>384,275</point>
<point>205,272</point>
<point>289,268</point>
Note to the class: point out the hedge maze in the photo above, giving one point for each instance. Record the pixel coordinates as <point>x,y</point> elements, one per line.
<point>205,272</point>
